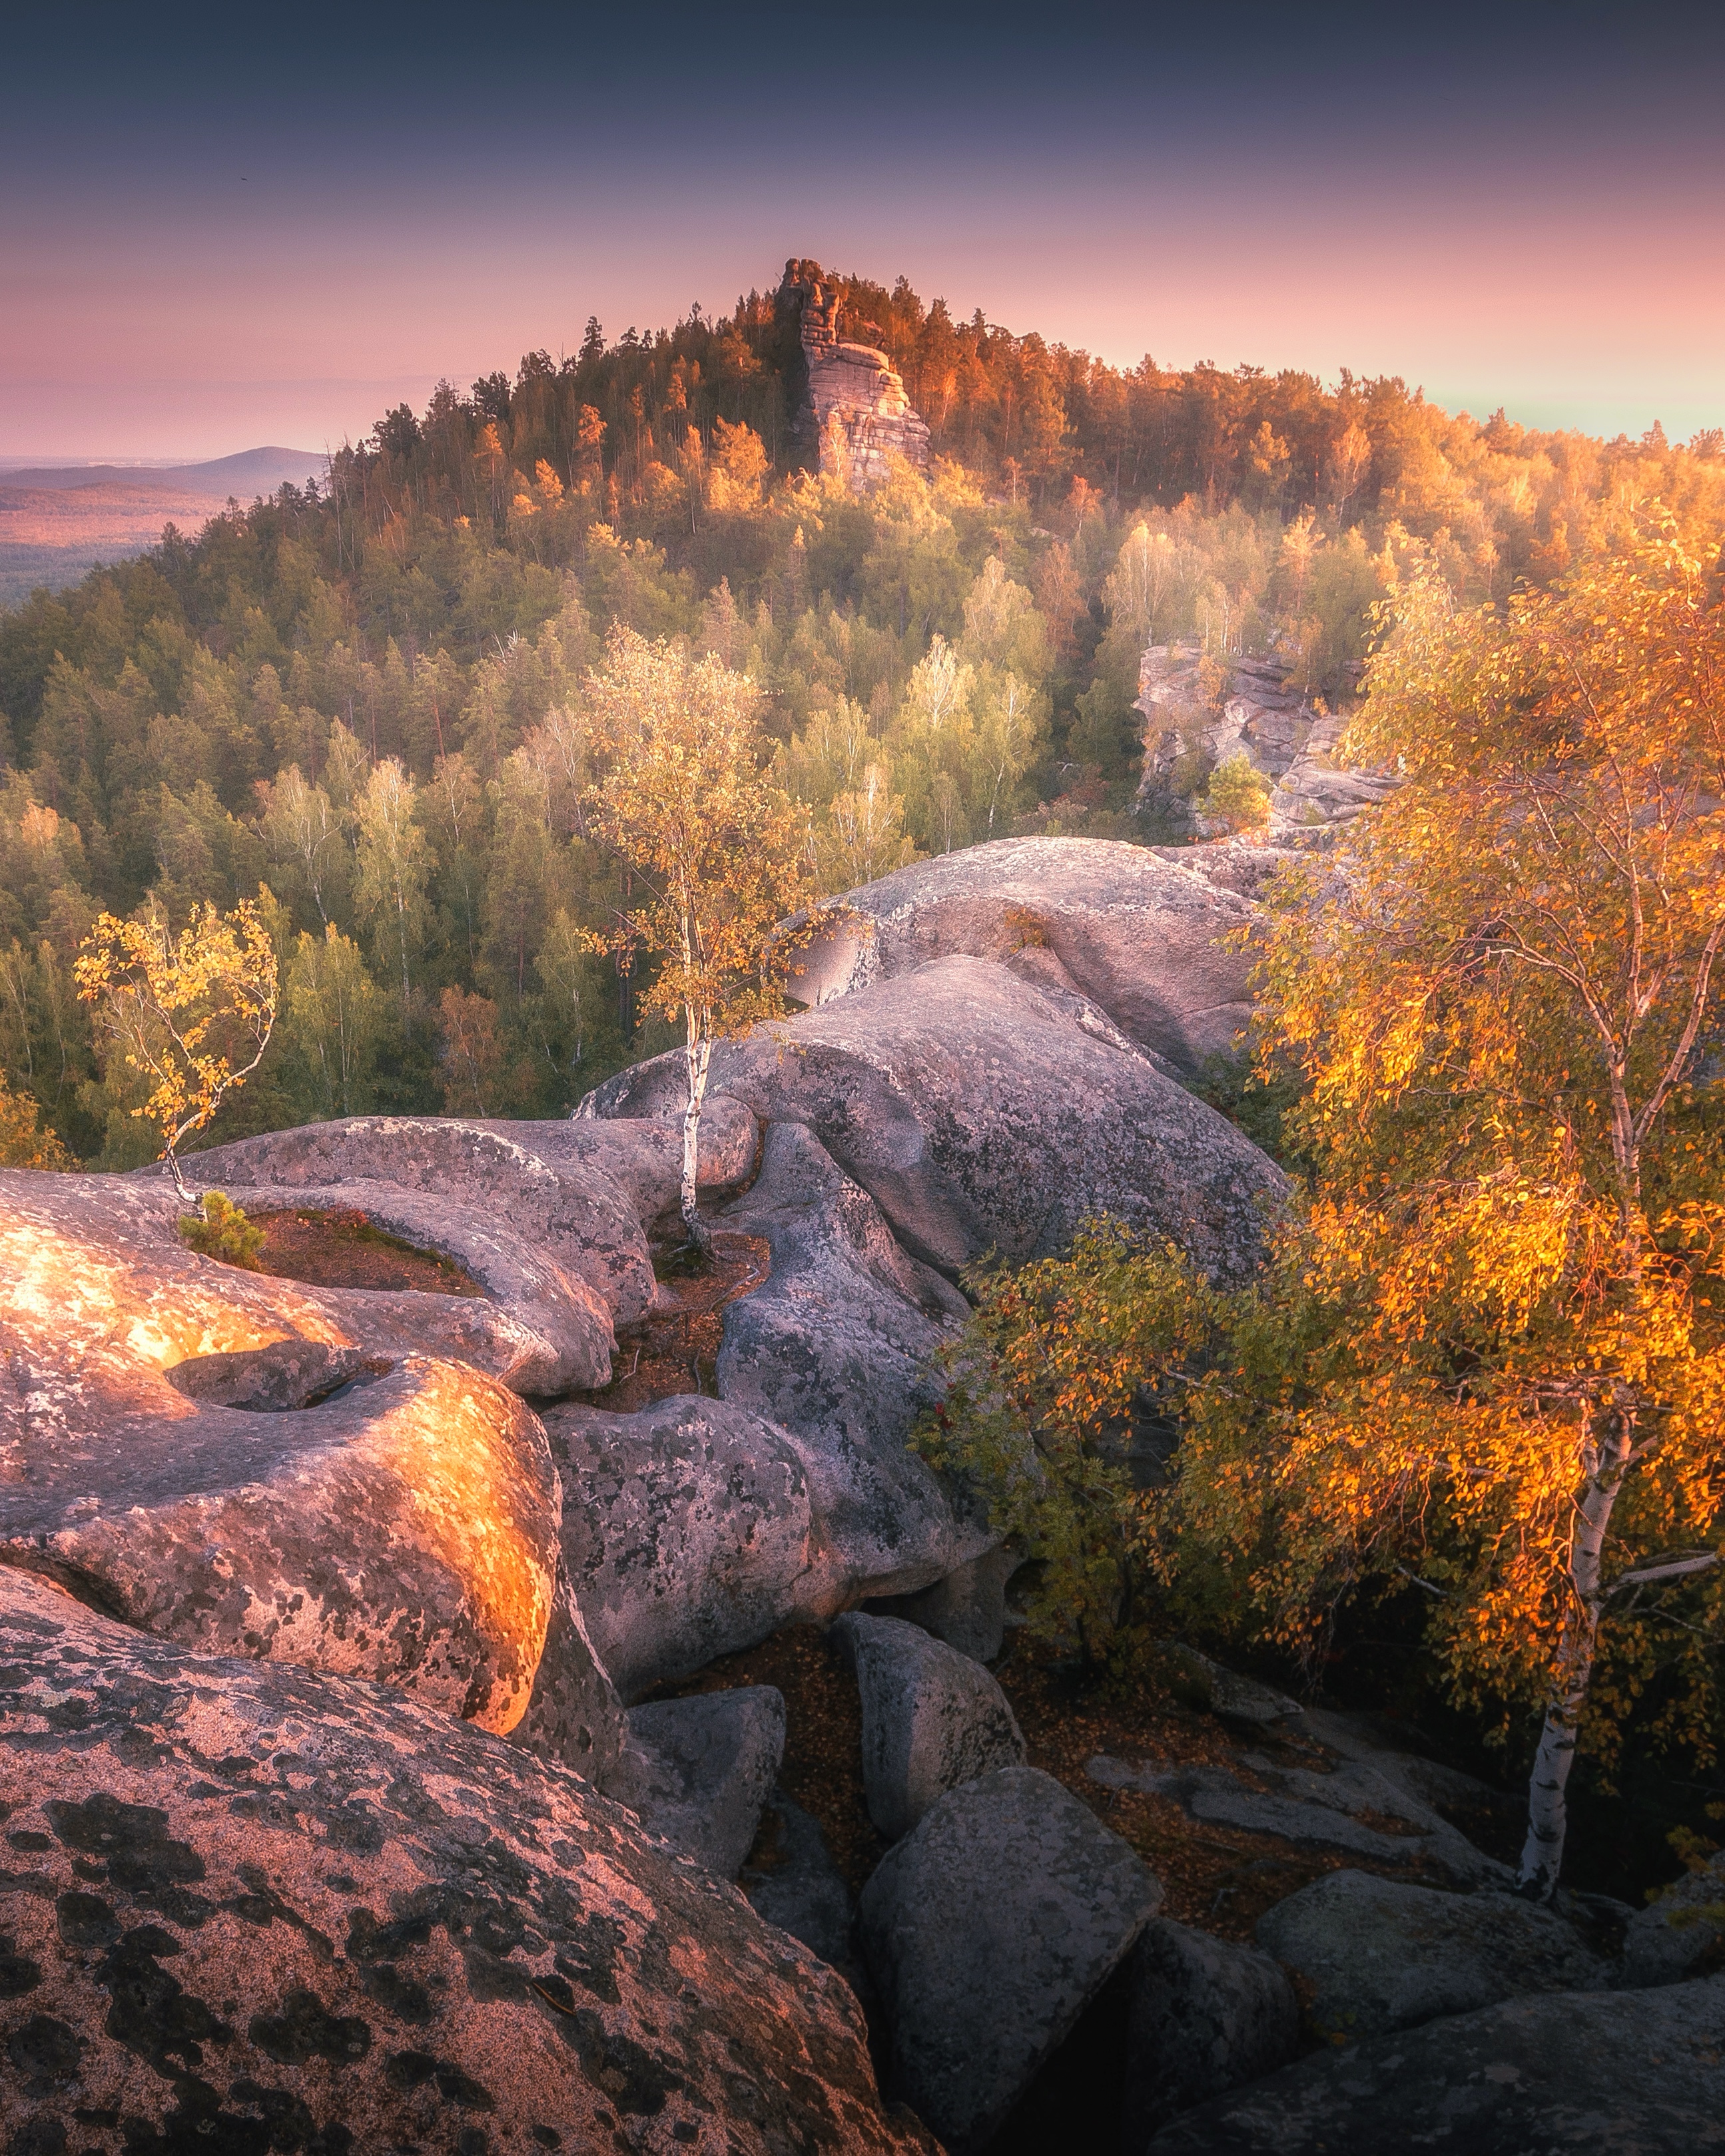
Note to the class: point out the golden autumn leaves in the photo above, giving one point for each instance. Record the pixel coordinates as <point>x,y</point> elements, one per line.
<point>1487,1360</point>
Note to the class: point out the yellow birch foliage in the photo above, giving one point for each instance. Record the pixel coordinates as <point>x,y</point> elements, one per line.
<point>193,1013</point>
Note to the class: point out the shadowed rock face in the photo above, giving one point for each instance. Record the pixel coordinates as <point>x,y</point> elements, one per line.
<point>1594,2074</point>
<point>834,1348</point>
<point>1378,1954</point>
<point>1140,935</point>
<point>407,1531</point>
<point>687,1532</point>
<point>982,1113</point>
<point>249,1908</point>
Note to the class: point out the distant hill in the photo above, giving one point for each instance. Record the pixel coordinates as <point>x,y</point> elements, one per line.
<point>59,520</point>
<point>248,472</point>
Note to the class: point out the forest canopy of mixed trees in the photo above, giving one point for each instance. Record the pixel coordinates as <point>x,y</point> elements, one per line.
<point>371,699</point>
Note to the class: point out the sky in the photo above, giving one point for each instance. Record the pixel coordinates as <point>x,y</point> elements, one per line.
<point>224,228</point>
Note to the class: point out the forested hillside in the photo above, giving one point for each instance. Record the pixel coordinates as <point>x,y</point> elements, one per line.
<point>369,699</point>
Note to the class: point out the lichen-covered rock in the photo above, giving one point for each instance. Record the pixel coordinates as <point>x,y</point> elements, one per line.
<point>687,1532</point>
<point>1589,2074</point>
<point>1142,936</point>
<point>984,1113</point>
<point>932,1718</point>
<point>1205,2016</point>
<point>249,1908</point>
<point>698,1771</point>
<point>644,1160</point>
<point>404,1528</point>
<point>1377,1954</point>
<point>987,1930</point>
<point>834,1348</point>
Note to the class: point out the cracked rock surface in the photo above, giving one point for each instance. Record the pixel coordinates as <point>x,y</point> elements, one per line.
<point>983,1112</point>
<point>246,1907</point>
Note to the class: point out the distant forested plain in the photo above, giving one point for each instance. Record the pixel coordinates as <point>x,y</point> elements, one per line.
<point>367,696</point>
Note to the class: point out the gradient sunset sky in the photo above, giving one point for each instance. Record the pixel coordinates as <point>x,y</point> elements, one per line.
<point>217,231</point>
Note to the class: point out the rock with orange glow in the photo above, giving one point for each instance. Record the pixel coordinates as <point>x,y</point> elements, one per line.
<point>249,1465</point>
<point>249,1907</point>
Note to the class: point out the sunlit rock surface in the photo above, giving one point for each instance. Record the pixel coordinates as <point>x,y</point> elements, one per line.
<point>855,407</point>
<point>250,1465</point>
<point>247,1908</point>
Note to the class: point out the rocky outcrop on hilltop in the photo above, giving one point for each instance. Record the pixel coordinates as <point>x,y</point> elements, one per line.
<point>250,1908</point>
<point>1155,942</point>
<point>854,410</point>
<point>1259,715</point>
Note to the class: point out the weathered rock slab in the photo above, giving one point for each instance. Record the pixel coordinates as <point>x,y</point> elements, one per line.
<point>987,1930</point>
<point>1206,2015</point>
<point>246,1908</point>
<point>1682,1934</point>
<point>1353,1808</point>
<point>402,1527</point>
<point>698,1771</point>
<point>1587,2074</point>
<point>834,1348</point>
<point>983,1113</point>
<point>1140,935</point>
<point>689,1533</point>
<point>1378,1954</point>
<point>932,1718</point>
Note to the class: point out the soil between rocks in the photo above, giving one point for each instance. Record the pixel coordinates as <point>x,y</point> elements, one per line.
<point>342,1248</point>
<point>675,1347</point>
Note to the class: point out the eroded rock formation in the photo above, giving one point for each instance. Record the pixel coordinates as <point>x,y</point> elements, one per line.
<point>854,410</point>
<point>1258,716</point>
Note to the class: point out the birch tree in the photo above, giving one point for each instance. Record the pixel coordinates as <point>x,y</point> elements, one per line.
<point>716,856</point>
<point>1509,1012</point>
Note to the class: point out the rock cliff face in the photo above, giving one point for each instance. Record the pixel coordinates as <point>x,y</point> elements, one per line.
<point>1259,715</point>
<point>855,408</point>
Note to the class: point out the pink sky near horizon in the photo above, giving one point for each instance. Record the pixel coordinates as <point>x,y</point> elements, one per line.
<point>249,287</point>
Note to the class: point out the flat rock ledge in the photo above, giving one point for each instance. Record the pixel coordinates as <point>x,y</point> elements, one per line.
<point>248,1908</point>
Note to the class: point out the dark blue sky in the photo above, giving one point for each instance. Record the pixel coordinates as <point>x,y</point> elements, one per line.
<point>216,230</point>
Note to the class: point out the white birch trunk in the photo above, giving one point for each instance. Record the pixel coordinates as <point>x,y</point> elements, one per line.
<point>700,1057</point>
<point>1547,1811</point>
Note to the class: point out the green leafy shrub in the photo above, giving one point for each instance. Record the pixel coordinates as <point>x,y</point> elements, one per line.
<point>221,1230</point>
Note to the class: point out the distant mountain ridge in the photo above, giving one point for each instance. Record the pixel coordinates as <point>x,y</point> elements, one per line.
<point>247,472</point>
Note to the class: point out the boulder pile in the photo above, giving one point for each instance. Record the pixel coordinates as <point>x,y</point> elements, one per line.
<point>350,1800</point>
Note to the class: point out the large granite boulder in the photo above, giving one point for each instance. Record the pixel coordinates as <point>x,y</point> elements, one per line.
<point>834,1348</point>
<point>249,1465</point>
<point>1205,2017</point>
<point>1139,934</point>
<point>1585,2074</point>
<point>250,1908</point>
<point>983,1113</point>
<point>987,1930</point>
<point>688,1533</point>
<point>698,1771</point>
<point>932,1718</point>
<point>1376,1955</point>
